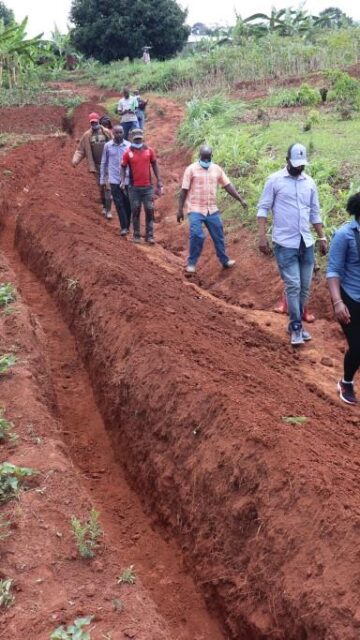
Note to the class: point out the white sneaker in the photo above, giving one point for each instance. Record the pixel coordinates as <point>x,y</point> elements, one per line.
<point>103,211</point>
<point>190,268</point>
<point>108,215</point>
<point>229,264</point>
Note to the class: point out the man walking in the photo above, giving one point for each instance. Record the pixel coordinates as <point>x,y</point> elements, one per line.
<point>199,187</point>
<point>127,111</point>
<point>91,147</point>
<point>110,171</point>
<point>292,197</point>
<point>141,159</point>
<point>140,109</point>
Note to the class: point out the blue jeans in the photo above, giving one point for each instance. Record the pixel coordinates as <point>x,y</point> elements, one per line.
<point>129,126</point>
<point>214,225</point>
<point>141,118</point>
<point>296,268</point>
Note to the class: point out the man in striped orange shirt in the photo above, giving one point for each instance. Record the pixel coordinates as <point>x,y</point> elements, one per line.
<point>199,189</point>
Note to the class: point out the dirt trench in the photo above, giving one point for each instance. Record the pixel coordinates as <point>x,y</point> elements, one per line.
<point>266,514</point>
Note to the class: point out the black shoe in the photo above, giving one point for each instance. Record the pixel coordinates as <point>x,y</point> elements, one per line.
<point>124,232</point>
<point>150,240</point>
<point>346,392</point>
<point>137,239</point>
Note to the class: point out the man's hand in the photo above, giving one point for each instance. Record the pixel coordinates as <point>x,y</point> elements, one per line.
<point>180,216</point>
<point>264,246</point>
<point>159,190</point>
<point>323,246</point>
<point>122,186</point>
<point>244,205</point>
<point>342,314</point>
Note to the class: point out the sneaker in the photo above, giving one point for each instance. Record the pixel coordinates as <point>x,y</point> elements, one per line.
<point>190,268</point>
<point>124,232</point>
<point>306,335</point>
<point>150,240</point>
<point>346,392</point>
<point>229,264</point>
<point>103,211</point>
<point>297,337</point>
<point>137,239</point>
<point>108,215</point>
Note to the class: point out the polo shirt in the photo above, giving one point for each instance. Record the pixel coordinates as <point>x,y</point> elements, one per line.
<point>139,161</point>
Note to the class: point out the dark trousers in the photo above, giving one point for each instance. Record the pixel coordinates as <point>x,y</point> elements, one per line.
<point>142,196</point>
<point>352,333</point>
<point>128,127</point>
<point>122,204</point>
<point>105,193</point>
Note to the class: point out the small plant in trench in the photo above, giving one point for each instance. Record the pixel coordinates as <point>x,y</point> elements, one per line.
<point>4,528</point>
<point>86,534</point>
<point>6,429</point>
<point>294,419</point>
<point>128,576</point>
<point>7,293</point>
<point>12,479</point>
<point>6,597</point>
<point>74,631</point>
<point>7,361</point>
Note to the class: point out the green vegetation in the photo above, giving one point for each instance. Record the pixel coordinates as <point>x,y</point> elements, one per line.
<point>7,361</point>
<point>6,429</point>
<point>6,597</point>
<point>4,528</point>
<point>295,419</point>
<point>74,631</point>
<point>303,96</point>
<point>12,478</point>
<point>7,293</point>
<point>86,534</point>
<point>250,152</point>
<point>128,576</point>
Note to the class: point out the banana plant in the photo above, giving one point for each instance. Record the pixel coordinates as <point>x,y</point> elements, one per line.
<point>16,51</point>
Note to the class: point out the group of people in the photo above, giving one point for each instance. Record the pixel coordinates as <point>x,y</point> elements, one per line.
<point>123,168</point>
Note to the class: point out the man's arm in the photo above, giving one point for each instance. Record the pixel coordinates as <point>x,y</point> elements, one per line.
<point>182,199</point>
<point>104,165</point>
<point>155,168</point>
<point>316,221</point>
<point>79,153</point>
<point>266,203</point>
<point>234,194</point>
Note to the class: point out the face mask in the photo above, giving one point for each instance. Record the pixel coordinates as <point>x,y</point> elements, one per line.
<point>136,145</point>
<point>205,164</point>
<point>294,171</point>
<point>95,126</point>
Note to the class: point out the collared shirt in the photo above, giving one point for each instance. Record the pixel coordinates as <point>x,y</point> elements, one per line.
<point>344,261</point>
<point>201,185</point>
<point>139,161</point>
<point>124,105</point>
<point>294,203</point>
<point>110,162</point>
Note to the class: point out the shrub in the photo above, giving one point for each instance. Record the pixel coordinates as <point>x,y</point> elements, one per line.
<point>7,293</point>
<point>345,89</point>
<point>12,478</point>
<point>6,428</point>
<point>74,631</point>
<point>6,597</point>
<point>86,534</point>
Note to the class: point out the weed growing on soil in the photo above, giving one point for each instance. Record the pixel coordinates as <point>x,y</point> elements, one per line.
<point>12,478</point>
<point>4,528</point>
<point>73,631</point>
<point>7,293</point>
<point>86,534</point>
<point>295,419</point>
<point>6,597</point>
<point>128,576</point>
<point>7,361</point>
<point>6,429</point>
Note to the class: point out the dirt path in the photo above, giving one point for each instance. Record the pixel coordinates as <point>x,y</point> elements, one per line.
<point>190,385</point>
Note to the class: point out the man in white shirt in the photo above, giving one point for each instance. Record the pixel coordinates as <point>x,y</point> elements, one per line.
<point>127,110</point>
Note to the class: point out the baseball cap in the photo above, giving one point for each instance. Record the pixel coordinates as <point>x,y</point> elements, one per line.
<point>94,117</point>
<point>298,156</point>
<point>137,134</point>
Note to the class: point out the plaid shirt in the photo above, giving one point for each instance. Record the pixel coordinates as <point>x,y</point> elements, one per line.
<point>201,185</point>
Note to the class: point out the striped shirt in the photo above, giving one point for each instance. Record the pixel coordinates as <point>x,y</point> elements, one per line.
<point>201,185</point>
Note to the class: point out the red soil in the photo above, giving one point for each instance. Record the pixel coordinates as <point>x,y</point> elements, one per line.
<point>31,119</point>
<point>192,390</point>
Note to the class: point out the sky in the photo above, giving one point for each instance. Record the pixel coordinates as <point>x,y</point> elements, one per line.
<point>42,15</point>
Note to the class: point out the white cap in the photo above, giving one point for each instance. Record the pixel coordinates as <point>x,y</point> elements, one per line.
<point>298,156</point>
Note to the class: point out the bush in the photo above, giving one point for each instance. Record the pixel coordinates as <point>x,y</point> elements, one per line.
<point>303,96</point>
<point>345,89</point>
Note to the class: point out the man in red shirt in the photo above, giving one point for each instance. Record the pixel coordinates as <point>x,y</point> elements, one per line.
<point>140,159</point>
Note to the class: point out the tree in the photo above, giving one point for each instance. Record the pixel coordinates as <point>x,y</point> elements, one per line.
<point>6,15</point>
<point>114,29</point>
<point>333,18</point>
<point>16,51</point>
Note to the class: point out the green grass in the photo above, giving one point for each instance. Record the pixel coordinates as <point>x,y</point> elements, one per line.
<point>250,152</point>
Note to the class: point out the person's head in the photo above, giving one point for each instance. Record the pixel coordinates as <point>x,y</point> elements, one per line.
<point>205,156</point>
<point>296,159</point>
<point>136,92</point>
<point>94,120</point>
<point>353,206</point>
<point>118,133</point>
<point>105,121</point>
<point>126,92</point>
<point>137,138</point>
